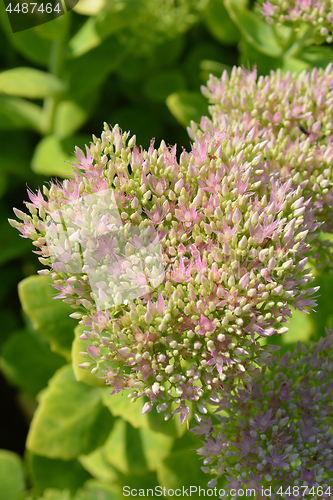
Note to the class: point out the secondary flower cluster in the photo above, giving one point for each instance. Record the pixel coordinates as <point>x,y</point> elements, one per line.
<point>225,237</point>
<point>294,115</point>
<point>279,434</point>
<point>317,13</point>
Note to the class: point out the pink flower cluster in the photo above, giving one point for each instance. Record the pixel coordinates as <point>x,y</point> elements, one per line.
<point>316,13</point>
<point>294,115</point>
<point>227,236</point>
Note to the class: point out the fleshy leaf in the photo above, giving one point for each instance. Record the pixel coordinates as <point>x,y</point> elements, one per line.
<point>90,69</point>
<point>56,474</point>
<point>121,406</point>
<point>123,449</point>
<point>70,420</point>
<point>52,155</point>
<point>82,375</point>
<point>219,23</point>
<point>28,43</point>
<point>89,7</point>
<point>186,105</point>
<point>182,469</point>
<point>49,316</point>
<point>27,363</point>
<point>11,476</point>
<point>70,116</point>
<point>30,82</point>
<point>135,451</point>
<point>94,490</point>
<point>256,31</point>
<point>17,113</point>
<point>98,466</point>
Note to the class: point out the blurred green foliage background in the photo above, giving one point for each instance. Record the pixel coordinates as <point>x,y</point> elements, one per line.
<point>138,63</point>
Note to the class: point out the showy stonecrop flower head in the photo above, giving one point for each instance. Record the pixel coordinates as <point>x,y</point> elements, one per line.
<point>294,116</point>
<point>316,13</point>
<point>205,257</point>
<point>279,435</point>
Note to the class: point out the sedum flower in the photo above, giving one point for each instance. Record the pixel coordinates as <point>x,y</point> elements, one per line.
<point>294,115</point>
<point>176,268</point>
<point>279,434</point>
<point>316,13</point>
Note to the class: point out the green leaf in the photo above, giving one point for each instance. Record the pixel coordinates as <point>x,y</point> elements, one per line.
<point>89,7</point>
<point>156,447</point>
<point>250,56</point>
<point>57,474</point>
<point>200,52</point>
<point>11,476</point>
<point>98,466</point>
<point>30,82</point>
<point>121,406</point>
<point>16,113</point>
<point>88,71</point>
<point>53,494</point>
<point>186,106</point>
<point>212,68</point>
<point>135,451</point>
<point>322,317</point>
<point>82,375</point>
<point>52,155</point>
<point>118,15</point>
<point>310,57</point>
<point>170,427</point>
<point>70,419</point>
<point>161,85</point>
<point>70,116</point>
<point>52,30</point>
<point>49,317</point>
<point>95,490</point>
<point>219,23</point>
<point>124,449</point>
<point>256,31</point>
<point>182,469</point>
<point>300,329</point>
<point>28,43</point>
<point>27,363</point>
<point>85,39</point>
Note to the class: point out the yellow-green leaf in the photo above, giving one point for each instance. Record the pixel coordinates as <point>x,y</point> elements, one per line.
<point>70,420</point>
<point>49,317</point>
<point>186,105</point>
<point>82,375</point>
<point>256,31</point>
<point>30,82</point>
<point>11,476</point>
<point>52,155</point>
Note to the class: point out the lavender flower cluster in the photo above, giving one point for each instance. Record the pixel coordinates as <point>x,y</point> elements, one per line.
<point>277,435</point>
<point>177,268</point>
<point>316,13</point>
<point>294,115</point>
